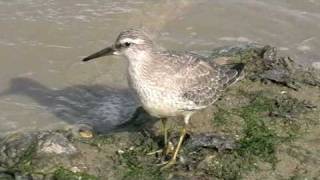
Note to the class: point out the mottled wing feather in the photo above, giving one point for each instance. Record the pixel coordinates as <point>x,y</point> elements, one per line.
<point>228,77</point>
<point>204,81</point>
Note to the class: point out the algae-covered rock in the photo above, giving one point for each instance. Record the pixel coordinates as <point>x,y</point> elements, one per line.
<point>55,143</point>
<point>211,141</point>
<point>15,148</point>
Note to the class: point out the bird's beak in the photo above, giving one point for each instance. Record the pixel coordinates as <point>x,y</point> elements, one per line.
<point>112,50</point>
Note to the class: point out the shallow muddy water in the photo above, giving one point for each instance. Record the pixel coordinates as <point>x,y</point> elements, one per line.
<point>44,85</point>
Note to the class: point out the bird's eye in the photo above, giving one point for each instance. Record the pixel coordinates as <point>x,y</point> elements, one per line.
<point>127,44</point>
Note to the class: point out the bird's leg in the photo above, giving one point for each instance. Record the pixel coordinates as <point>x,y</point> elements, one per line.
<point>176,151</point>
<point>165,150</point>
<point>165,131</point>
<point>182,135</point>
<point>168,147</point>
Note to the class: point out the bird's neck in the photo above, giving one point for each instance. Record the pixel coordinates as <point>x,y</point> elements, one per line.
<point>139,62</point>
<point>140,70</point>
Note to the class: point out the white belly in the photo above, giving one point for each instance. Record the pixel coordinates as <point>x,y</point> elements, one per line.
<point>159,103</point>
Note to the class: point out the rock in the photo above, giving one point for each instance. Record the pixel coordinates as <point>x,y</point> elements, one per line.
<point>211,141</point>
<point>262,63</point>
<point>309,77</point>
<point>14,147</point>
<point>56,143</point>
<point>290,108</point>
<point>270,53</point>
<point>229,51</point>
<point>55,150</point>
<point>280,76</point>
<point>207,161</point>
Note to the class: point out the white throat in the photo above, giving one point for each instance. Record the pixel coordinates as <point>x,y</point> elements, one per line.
<point>137,57</point>
<point>138,62</point>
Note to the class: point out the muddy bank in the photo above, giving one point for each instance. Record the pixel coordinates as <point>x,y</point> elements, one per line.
<point>264,127</point>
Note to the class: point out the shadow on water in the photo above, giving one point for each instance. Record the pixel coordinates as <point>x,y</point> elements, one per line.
<point>101,107</point>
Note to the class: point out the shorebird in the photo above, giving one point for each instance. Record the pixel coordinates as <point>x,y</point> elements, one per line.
<point>169,83</point>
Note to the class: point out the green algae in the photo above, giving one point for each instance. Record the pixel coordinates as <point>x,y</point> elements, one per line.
<point>100,140</point>
<point>221,116</point>
<point>65,174</point>
<point>259,138</point>
<point>138,165</point>
<point>25,162</point>
<point>137,169</point>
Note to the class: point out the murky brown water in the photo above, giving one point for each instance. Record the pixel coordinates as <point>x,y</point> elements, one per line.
<point>44,84</point>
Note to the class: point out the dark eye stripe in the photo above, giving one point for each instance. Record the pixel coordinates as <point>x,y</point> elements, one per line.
<point>118,46</point>
<point>126,44</point>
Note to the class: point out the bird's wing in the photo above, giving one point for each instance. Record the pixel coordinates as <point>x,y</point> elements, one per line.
<point>202,81</point>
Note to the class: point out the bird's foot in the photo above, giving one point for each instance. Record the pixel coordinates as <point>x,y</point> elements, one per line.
<point>168,149</point>
<point>168,164</point>
<point>155,152</point>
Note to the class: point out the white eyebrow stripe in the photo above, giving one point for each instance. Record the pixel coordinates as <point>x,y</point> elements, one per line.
<point>129,40</point>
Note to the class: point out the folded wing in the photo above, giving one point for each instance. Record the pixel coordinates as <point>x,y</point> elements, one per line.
<point>203,81</point>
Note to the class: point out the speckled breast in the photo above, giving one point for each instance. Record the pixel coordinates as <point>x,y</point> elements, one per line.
<point>157,101</point>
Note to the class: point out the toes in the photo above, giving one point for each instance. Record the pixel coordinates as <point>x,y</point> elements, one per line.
<point>168,165</point>
<point>155,152</point>
<point>168,149</point>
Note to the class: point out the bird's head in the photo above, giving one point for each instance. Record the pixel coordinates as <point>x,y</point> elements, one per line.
<point>130,43</point>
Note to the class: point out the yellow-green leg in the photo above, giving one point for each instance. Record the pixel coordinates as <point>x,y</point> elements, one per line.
<point>165,131</point>
<point>168,147</point>
<point>174,157</point>
<point>182,135</point>
<point>164,150</point>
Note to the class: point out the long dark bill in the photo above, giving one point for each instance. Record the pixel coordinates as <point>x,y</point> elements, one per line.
<point>104,52</point>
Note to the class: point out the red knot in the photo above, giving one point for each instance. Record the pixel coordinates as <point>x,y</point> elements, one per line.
<point>169,83</point>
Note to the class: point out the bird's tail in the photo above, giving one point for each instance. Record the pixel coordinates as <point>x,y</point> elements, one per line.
<point>237,71</point>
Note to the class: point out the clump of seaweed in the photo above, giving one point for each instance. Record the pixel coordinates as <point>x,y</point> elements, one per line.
<point>259,136</point>
<point>136,165</point>
<point>289,108</point>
